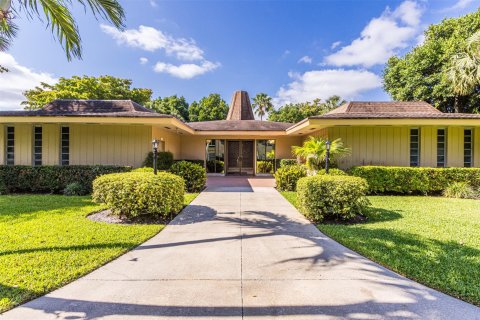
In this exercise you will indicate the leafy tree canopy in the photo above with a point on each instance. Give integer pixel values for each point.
(174, 105)
(295, 112)
(422, 74)
(208, 108)
(98, 88)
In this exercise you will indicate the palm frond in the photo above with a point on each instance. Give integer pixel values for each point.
(8, 31)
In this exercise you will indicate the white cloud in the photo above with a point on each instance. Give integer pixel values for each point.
(335, 44)
(187, 70)
(153, 3)
(143, 60)
(17, 80)
(381, 38)
(305, 59)
(310, 85)
(460, 4)
(151, 39)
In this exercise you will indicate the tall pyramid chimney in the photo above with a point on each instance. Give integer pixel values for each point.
(240, 107)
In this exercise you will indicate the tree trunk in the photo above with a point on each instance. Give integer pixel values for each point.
(456, 107)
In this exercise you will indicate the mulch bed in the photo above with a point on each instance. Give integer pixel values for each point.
(106, 216)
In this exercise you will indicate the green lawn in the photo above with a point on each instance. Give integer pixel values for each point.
(46, 242)
(433, 240)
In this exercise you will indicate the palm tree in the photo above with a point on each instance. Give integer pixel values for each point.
(333, 102)
(262, 104)
(464, 70)
(58, 17)
(314, 152)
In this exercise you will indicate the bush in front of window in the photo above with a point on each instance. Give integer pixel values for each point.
(265, 166)
(164, 160)
(133, 194)
(215, 166)
(194, 175)
(52, 179)
(286, 178)
(414, 180)
(332, 197)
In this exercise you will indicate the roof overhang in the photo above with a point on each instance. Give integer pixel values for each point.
(167, 121)
(309, 125)
(240, 133)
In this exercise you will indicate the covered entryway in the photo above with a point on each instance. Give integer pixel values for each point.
(240, 157)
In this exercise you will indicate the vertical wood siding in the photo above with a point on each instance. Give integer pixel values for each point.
(172, 140)
(23, 144)
(109, 145)
(455, 147)
(2, 144)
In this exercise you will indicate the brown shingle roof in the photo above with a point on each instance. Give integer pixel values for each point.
(240, 107)
(387, 107)
(90, 108)
(239, 125)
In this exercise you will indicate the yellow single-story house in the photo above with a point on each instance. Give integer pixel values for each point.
(119, 132)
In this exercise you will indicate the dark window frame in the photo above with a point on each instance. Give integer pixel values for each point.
(468, 147)
(64, 145)
(414, 147)
(37, 146)
(441, 145)
(9, 145)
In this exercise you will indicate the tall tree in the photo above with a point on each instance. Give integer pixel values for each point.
(57, 15)
(422, 74)
(262, 104)
(464, 71)
(103, 87)
(295, 112)
(208, 108)
(174, 105)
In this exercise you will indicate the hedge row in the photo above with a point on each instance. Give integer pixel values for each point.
(51, 179)
(409, 180)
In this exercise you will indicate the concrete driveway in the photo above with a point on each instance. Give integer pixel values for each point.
(243, 252)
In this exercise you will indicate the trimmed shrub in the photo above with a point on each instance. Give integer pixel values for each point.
(460, 190)
(194, 175)
(265, 166)
(332, 172)
(414, 180)
(332, 197)
(52, 179)
(3, 188)
(287, 177)
(196, 161)
(215, 166)
(164, 160)
(74, 189)
(140, 193)
(288, 162)
(143, 169)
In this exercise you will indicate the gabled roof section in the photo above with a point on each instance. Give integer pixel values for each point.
(90, 108)
(240, 107)
(389, 109)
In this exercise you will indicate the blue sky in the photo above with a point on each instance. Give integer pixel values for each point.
(293, 50)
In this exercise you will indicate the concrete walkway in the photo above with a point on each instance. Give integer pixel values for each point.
(244, 252)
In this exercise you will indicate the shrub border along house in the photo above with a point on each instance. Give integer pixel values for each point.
(408, 180)
(52, 179)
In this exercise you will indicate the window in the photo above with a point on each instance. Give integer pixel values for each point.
(265, 156)
(414, 147)
(441, 147)
(215, 155)
(37, 146)
(10, 146)
(468, 148)
(65, 146)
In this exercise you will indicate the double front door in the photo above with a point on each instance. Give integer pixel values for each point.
(240, 159)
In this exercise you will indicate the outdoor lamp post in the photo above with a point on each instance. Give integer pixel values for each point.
(327, 158)
(155, 155)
